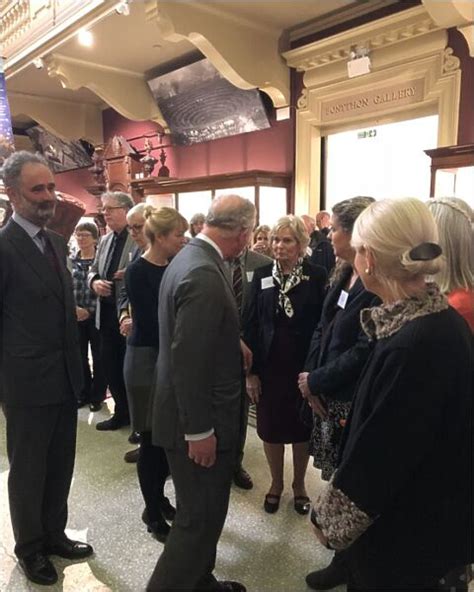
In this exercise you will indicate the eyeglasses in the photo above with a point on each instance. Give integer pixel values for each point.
(83, 234)
(108, 209)
(135, 227)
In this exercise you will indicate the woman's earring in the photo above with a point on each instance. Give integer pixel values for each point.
(368, 271)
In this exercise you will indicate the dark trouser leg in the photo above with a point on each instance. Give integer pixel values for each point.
(153, 470)
(244, 420)
(113, 354)
(99, 381)
(84, 344)
(202, 494)
(41, 448)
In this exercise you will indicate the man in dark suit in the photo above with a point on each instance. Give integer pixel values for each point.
(198, 394)
(242, 269)
(40, 369)
(114, 253)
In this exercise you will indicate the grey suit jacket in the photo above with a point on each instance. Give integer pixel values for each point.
(198, 381)
(97, 269)
(40, 361)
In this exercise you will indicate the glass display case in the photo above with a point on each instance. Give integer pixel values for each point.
(452, 172)
(270, 192)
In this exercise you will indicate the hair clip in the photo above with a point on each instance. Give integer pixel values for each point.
(425, 252)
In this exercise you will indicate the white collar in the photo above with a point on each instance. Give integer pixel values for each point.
(209, 241)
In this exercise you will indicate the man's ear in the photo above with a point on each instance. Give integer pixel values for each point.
(12, 193)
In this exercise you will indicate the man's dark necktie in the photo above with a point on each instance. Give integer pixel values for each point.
(237, 284)
(49, 252)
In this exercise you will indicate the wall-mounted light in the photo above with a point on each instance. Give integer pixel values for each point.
(359, 62)
(38, 63)
(85, 38)
(123, 8)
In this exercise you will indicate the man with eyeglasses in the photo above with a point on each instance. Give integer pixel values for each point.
(114, 253)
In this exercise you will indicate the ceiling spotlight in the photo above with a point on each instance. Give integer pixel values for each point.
(38, 63)
(85, 38)
(123, 8)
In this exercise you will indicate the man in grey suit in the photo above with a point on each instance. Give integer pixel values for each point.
(40, 369)
(242, 269)
(114, 253)
(197, 406)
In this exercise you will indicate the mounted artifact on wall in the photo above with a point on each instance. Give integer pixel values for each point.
(122, 164)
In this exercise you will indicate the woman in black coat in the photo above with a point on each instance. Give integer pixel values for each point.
(339, 350)
(285, 306)
(404, 521)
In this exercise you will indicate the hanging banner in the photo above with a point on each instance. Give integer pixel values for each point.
(6, 133)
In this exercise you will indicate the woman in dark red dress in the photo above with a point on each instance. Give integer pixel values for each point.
(285, 306)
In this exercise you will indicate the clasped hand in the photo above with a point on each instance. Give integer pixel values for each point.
(203, 452)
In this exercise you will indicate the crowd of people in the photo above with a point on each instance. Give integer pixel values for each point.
(350, 332)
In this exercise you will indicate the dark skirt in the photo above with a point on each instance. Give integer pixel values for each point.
(278, 411)
(139, 372)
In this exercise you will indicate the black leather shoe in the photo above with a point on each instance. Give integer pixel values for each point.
(39, 569)
(113, 423)
(81, 403)
(70, 549)
(95, 406)
(242, 479)
(228, 586)
(331, 576)
(132, 455)
(134, 438)
(167, 510)
(271, 503)
(302, 504)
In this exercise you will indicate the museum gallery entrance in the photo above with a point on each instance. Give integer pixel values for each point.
(379, 161)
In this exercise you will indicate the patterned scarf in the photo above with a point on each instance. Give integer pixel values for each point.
(286, 284)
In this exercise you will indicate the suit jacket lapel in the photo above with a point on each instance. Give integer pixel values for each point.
(35, 259)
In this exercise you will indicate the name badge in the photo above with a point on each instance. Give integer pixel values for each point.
(343, 299)
(249, 276)
(267, 282)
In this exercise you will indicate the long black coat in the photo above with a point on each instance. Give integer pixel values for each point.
(406, 455)
(307, 301)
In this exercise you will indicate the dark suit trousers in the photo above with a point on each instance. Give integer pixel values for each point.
(202, 495)
(95, 383)
(41, 446)
(113, 348)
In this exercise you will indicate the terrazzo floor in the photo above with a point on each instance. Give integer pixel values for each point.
(268, 553)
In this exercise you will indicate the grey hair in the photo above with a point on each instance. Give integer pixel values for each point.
(237, 214)
(123, 199)
(13, 165)
(138, 208)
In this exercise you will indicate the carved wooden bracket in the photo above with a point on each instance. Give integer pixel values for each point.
(124, 90)
(243, 51)
(454, 13)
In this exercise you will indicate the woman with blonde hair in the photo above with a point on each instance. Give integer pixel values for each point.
(284, 307)
(403, 524)
(455, 220)
(261, 240)
(164, 228)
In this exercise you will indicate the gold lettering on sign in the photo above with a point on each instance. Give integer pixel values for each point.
(369, 102)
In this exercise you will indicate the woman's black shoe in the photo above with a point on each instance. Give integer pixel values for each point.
(160, 530)
(302, 504)
(168, 511)
(95, 406)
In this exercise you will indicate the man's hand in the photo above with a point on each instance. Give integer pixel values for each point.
(102, 287)
(317, 406)
(126, 325)
(203, 452)
(82, 314)
(119, 274)
(303, 385)
(254, 388)
(247, 356)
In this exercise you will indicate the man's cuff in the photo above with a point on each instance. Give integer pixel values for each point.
(196, 437)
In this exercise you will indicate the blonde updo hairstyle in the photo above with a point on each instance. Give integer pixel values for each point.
(162, 221)
(389, 229)
(297, 228)
(455, 219)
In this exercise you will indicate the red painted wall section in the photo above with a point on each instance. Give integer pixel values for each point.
(271, 149)
(75, 183)
(466, 107)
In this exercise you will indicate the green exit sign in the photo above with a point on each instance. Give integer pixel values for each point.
(366, 134)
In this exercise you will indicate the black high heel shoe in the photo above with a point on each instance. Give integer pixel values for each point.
(167, 510)
(159, 529)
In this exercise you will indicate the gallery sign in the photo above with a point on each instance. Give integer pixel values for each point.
(6, 132)
(372, 101)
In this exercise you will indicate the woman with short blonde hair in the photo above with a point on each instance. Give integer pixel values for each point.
(403, 526)
(455, 218)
